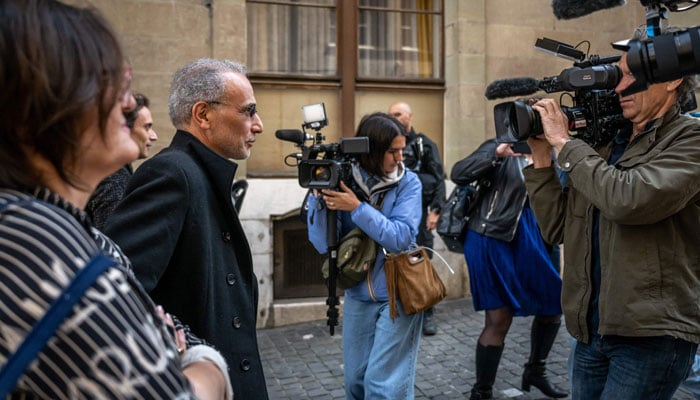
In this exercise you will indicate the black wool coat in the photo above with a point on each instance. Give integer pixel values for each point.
(178, 225)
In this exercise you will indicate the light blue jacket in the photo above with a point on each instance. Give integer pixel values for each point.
(394, 228)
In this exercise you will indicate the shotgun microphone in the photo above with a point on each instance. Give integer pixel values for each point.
(292, 135)
(501, 88)
(569, 9)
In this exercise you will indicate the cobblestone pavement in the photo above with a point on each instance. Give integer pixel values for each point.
(304, 362)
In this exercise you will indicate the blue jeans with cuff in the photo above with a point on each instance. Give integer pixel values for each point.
(380, 355)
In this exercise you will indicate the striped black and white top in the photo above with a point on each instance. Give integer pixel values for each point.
(113, 345)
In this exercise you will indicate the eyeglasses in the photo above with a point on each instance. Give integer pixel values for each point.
(250, 109)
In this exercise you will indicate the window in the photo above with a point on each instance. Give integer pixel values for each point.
(292, 37)
(396, 39)
(399, 39)
(348, 54)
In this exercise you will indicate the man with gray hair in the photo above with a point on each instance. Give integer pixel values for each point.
(178, 224)
(629, 218)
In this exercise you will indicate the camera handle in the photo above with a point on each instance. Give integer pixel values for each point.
(654, 14)
(332, 301)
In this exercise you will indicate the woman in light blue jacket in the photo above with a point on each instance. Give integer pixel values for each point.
(379, 355)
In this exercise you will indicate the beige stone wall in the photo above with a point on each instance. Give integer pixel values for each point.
(485, 40)
(280, 108)
(162, 36)
(465, 76)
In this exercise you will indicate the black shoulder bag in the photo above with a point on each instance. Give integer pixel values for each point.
(454, 217)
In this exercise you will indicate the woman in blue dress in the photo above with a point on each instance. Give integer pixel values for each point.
(510, 271)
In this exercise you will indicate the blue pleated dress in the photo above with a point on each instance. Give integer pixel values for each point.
(518, 274)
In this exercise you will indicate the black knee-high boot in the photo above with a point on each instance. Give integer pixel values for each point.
(542, 337)
(487, 360)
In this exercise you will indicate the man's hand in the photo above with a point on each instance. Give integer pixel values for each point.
(431, 220)
(554, 122)
(541, 151)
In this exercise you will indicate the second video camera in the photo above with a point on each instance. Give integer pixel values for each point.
(594, 118)
(596, 114)
(321, 166)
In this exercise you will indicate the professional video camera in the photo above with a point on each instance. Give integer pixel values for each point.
(335, 162)
(595, 115)
(333, 166)
(661, 57)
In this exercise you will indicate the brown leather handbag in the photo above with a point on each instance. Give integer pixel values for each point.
(411, 276)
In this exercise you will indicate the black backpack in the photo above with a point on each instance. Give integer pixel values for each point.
(455, 213)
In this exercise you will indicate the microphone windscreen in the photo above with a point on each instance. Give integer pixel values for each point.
(290, 135)
(568, 9)
(511, 87)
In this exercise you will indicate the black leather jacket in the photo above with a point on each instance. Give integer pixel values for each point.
(421, 156)
(503, 193)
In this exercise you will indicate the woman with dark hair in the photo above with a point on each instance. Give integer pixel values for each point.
(62, 130)
(510, 269)
(379, 355)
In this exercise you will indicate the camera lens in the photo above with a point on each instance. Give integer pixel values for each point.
(321, 173)
(516, 121)
(664, 58)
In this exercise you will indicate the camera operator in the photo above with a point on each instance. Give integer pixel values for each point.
(629, 218)
(379, 353)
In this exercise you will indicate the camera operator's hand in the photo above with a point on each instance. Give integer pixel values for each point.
(431, 220)
(554, 122)
(505, 150)
(541, 151)
(344, 201)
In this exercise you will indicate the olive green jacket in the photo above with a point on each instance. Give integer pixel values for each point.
(649, 230)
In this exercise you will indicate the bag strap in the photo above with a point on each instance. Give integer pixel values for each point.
(416, 246)
(44, 329)
(441, 258)
(380, 200)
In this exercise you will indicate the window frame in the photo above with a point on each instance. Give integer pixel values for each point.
(347, 49)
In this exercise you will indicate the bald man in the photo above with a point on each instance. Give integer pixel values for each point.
(422, 157)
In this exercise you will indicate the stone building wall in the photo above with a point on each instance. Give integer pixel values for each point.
(485, 40)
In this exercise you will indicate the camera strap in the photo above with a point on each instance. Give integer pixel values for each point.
(380, 200)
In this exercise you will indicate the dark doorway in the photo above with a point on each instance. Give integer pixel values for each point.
(297, 264)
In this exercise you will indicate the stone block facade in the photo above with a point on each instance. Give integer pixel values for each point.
(484, 40)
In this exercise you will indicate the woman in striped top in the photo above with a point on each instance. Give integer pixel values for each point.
(62, 131)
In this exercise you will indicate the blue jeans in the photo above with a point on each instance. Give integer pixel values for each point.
(380, 355)
(570, 360)
(692, 382)
(630, 368)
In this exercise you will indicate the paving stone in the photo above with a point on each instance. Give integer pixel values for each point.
(304, 362)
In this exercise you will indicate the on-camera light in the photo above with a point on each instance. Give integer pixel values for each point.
(314, 116)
